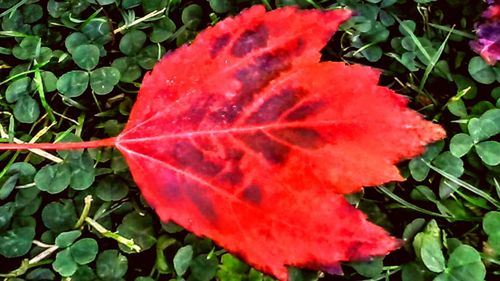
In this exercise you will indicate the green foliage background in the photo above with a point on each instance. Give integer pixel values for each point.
(70, 70)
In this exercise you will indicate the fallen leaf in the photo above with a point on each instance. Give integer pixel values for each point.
(246, 138)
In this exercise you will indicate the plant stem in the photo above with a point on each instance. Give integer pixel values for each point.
(85, 212)
(106, 233)
(59, 146)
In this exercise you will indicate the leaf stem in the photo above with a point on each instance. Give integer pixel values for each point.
(59, 146)
(85, 212)
(106, 233)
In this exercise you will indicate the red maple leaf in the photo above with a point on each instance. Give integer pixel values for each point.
(246, 138)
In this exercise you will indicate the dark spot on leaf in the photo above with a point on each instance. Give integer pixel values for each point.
(250, 40)
(354, 251)
(227, 113)
(219, 44)
(301, 46)
(302, 137)
(253, 79)
(234, 154)
(195, 114)
(234, 177)
(202, 203)
(274, 152)
(172, 188)
(304, 110)
(252, 194)
(187, 155)
(275, 106)
(265, 68)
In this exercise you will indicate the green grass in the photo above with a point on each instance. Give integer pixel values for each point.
(80, 214)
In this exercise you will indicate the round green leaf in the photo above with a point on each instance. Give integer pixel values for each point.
(220, 6)
(16, 242)
(26, 171)
(64, 263)
(18, 89)
(129, 69)
(481, 107)
(490, 122)
(418, 169)
(82, 172)
(56, 9)
(30, 208)
(102, 80)
(40, 274)
(149, 6)
(69, 154)
(44, 56)
(457, 108)
(84, 250)
(460, 144)
(408, 60)
(412, 272)
(491, 223)
(73, 83)
(84, 273)
(182, 259)
(412, 228)
(163, 29)
(98, 30)
(371, 268)
(231, 268)
(408, 44)
(432, 255)
(183, 36)
(111, 188)
(132, 42)
(489, 151)
(59, 216)
(204, 268)
(28, 49)
(431, 232)
(475, 130)
(423, 193)
(481, 71)
(372, 53)
(191, 16)
(49, 81)
(464, 264)
(233, 264)
(140, 229)
(74, 40)
(407, 26)
(53, 178)
(6, 189)
(449, 163)
(150, 55)
(294, 273)
(111, 265)
(32, 13)
(86, 56)
(495, 93)
(65, 239)
(26, 196)
(26, 110)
